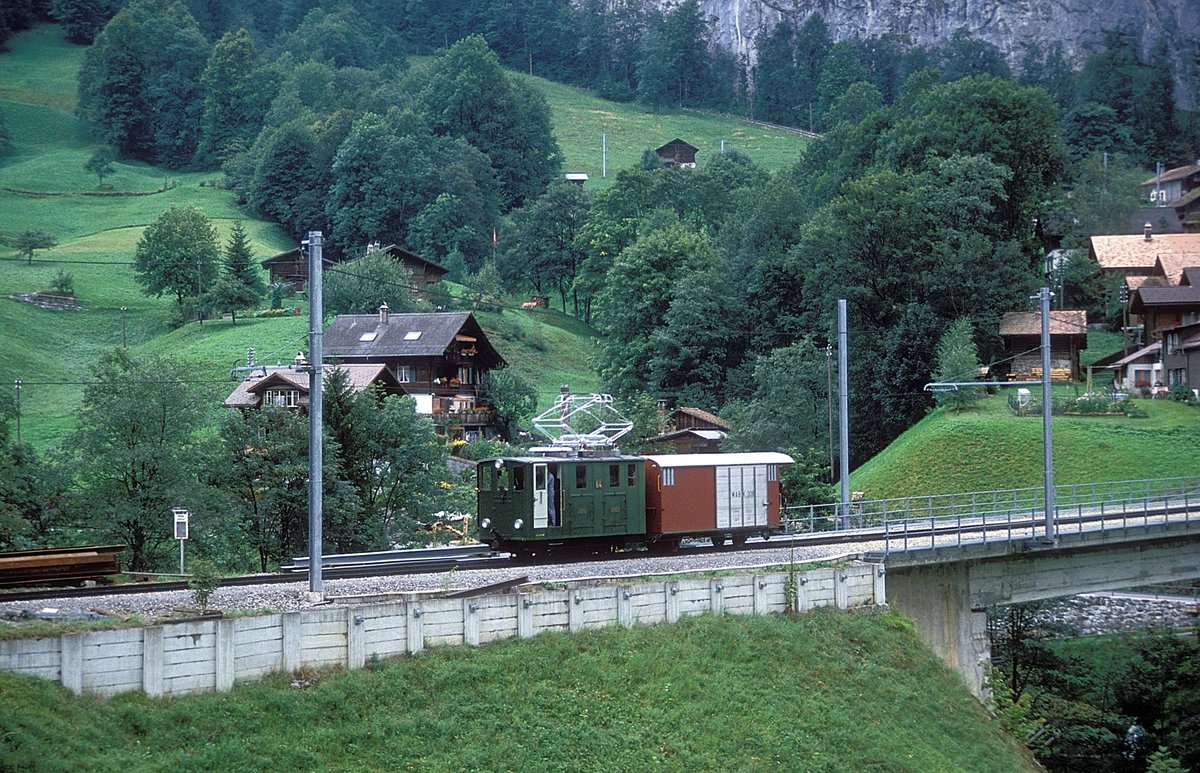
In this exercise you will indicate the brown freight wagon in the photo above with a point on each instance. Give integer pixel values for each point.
(724, 496)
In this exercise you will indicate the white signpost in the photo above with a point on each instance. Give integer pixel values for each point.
(181, 531)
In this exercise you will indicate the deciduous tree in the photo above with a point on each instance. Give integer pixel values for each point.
(178, 253)
(101, 164)
(135, 451)
(33, 239)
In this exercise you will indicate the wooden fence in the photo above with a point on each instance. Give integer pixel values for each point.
(204, 655)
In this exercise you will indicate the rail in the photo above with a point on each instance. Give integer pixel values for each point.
(914, 523)
(59, 566)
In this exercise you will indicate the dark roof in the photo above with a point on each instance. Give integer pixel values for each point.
(1176, 295)
(1162, 220)
(1191, 276)
(404, 255)
(674, 143)
(405, 335)
(288, 257)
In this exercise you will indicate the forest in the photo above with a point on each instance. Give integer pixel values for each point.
(930, 199)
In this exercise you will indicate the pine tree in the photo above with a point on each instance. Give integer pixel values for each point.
(240, 285)
(957, 361)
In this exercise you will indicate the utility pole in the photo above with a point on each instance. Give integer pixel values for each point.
(315, 418)
(603, 154)
(123, 340)
(829, 401)
(1047, 444)
(17, 384)
(844, 412)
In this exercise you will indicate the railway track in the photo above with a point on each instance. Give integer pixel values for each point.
(434, 560)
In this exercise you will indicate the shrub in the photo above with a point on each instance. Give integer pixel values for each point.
(63, 283)
(1182, 393)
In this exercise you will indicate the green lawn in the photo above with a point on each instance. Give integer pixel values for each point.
(827, 691)
(987, 447)
(581, 121)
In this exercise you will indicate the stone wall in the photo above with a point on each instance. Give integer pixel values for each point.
(205, 655)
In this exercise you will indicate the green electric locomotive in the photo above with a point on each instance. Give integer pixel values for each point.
(534, 504)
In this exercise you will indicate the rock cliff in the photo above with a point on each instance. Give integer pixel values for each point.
(1011, 25)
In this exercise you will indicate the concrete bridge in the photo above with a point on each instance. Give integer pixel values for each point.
(947, 580)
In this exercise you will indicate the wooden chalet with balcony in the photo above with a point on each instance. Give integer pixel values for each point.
(439, 359)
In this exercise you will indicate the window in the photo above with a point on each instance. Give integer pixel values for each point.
(466, 374)
(406, 374)
(580, 476)
(284, 398)
(412, 335)
(632, 475)
(614, 475)
(772, 472)
(668, 476)
(518, 474)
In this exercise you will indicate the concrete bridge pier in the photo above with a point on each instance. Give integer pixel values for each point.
(937, 599)
(947, 591)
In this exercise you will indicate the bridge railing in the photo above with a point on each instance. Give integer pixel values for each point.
(906, 523)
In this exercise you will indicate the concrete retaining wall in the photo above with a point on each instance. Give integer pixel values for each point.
(198, 656)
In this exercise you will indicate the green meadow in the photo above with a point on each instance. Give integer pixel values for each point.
(43, 185)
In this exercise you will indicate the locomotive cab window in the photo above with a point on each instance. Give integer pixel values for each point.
(518, 477)
(631, 475)
(580, 476)
(614, 476)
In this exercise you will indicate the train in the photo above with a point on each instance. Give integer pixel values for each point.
(582, 500)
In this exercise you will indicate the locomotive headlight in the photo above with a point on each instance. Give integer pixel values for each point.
(486, 523)
(517, 524)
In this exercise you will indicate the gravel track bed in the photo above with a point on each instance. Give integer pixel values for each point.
(289, 597)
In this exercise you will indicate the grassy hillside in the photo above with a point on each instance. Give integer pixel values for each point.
(988, 448)
(43, 185)
(828, 691)
(580, 121)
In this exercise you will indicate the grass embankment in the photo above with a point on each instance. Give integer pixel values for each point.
(827, 691)
(987, 448)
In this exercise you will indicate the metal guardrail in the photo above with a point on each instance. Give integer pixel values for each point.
(914, 523)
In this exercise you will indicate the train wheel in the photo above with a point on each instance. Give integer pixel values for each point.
(718, 540)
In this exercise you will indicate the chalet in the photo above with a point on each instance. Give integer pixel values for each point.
(678, 153)
(291, 267)
(1165, 188)
(439, 359)
(693, 431)
(1171, 316)
(1140, 369)
(288, 386)
(1022, 334)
